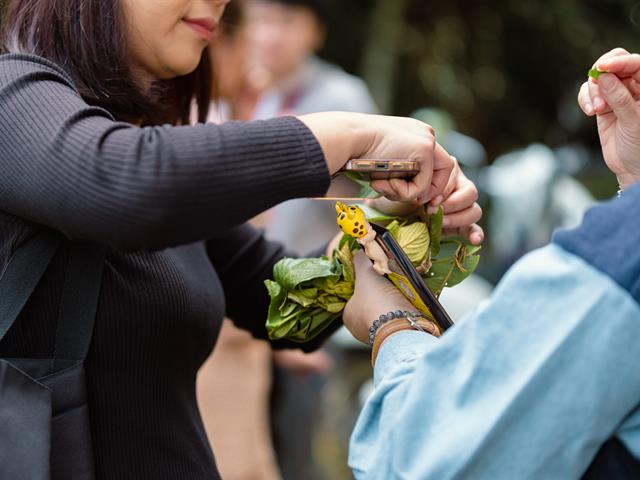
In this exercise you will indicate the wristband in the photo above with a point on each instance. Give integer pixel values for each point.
(397, 325)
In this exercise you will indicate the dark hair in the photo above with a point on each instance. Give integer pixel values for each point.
(87, 38)
(318, 7)
(233, 18)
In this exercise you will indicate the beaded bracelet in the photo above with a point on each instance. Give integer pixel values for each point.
(385, 317)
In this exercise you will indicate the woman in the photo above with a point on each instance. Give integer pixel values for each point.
(82, 152)
(541, 382)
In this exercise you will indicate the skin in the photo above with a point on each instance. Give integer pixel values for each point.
(282, 37)
(162, 44)
(614, 99)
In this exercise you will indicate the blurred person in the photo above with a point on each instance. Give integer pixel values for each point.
(285, 36)
(541, 381)
(95, 101)
(234, 384)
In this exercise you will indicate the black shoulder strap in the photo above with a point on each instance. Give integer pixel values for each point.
(79, 304)
(80, 294)
(22, 275)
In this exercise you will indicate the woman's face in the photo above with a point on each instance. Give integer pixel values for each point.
(166, 38)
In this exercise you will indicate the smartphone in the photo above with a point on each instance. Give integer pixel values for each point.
(368, 169)
(407, 279)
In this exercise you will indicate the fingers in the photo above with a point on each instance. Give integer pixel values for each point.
(624, 65)
(463, 218)
(430, 164)
(472, 233)
(443, 167)
(464, 196)
(584, 100)
(598, 103)
(589, 97)
(619, 98)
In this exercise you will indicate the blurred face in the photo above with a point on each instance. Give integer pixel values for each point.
(229, 57)
(282, 36)
(167, 37)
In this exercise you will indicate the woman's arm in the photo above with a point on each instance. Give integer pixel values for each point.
(532, 383)
(71, 167)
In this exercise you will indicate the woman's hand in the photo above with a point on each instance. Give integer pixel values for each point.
(373, 296)
(615, 99)
(459, 205)
(345, 136)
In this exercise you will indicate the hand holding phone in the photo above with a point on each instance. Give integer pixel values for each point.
(371, 169)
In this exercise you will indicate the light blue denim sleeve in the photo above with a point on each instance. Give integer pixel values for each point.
(527, 387)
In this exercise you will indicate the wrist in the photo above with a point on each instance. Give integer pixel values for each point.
(408, 322)
(625, 180)
(340, 135)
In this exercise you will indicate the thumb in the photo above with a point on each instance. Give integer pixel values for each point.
(619, 98)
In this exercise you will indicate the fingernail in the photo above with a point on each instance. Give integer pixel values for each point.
(606, 81)
(432, 210)
(436, 201)
(445, 222)
(588, 108)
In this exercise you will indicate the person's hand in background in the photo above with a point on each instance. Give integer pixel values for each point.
(615, 98)
(345, 136)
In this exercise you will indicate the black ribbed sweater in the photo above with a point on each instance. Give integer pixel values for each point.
(170, 203)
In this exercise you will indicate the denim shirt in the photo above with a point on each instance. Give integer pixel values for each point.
(533, 382)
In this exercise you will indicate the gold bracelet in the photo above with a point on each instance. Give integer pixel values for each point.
(388, 329)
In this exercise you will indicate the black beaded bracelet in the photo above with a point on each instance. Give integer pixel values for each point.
(385, 317)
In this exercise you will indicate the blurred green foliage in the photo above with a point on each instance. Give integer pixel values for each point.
(508, 71)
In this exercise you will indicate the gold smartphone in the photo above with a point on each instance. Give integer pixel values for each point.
(370, 169)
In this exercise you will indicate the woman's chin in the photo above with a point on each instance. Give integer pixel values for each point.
(181, 65)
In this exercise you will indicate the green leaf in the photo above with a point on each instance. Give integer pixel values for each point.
(457, 262)
(595, 73)
(394, 228)
(435, 231)
(345, 257)
(309, 294)
(304, 296)
(414, 240)
(374, 215)
(291, 272)
(365, 188)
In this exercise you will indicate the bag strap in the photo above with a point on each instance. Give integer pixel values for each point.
(80, 296)
(80, 293)
(22, 275)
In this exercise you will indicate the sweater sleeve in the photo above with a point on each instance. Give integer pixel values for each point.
(73, 168)
(244, 259)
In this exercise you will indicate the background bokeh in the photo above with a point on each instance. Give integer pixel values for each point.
(507, 70)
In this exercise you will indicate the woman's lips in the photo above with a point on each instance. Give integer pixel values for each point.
(202, 26)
